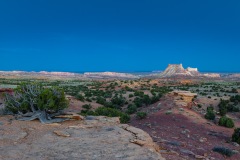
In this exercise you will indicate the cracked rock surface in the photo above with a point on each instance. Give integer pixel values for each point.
(101, 138)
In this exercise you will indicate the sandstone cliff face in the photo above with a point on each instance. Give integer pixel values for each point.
(174, 70)
(178, 70)
(95, 138)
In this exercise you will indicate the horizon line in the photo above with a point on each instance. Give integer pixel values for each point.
(153, 71)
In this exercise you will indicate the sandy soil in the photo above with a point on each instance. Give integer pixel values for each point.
(185, 133)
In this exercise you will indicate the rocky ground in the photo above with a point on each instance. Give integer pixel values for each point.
(183, 133)
(93, 138)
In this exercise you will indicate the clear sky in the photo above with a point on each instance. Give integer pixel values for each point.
(119, 35)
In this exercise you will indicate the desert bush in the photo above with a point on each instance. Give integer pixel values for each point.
(118, 100)
(138, 93)
(224, 151)
(87, 106)
(141, 115)
(236, 135)
(155, 99)
(111, 112)
(80, 97)
(34, 101)
(131, 95)
(88, 99)
(132, 108)
(210, 115)
(146, 99)
(223, 107)
(226, 122)
(86, 109)
(138, 101)
(100, 100)
(234, 90)
(235, 99)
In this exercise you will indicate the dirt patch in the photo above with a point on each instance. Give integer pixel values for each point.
(185, 134)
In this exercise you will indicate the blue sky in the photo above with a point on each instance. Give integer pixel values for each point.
(119, 35)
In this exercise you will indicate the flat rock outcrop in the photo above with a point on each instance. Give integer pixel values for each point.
(183, 98)
(92, 139)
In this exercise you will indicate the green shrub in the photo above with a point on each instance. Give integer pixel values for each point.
(80, 97)
(101, 100)
(87, 106)
(138, 101)
(146, 99)
(226, 122)
(223, 107)
(118, 100)
(141, 115)
(131, 95)
(236, 135)
(111, 112)
(132, 108)
(210, 115)
(138, 93)
(155, 99)
(34, 99)
(224, 151)
(88, 99)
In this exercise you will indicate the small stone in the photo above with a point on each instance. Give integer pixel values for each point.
(181, 109)
(62, 133)
(199, 157)
(187, 152)
(168, 112)
(90, 118)
(235, 144)
(119, 156)
(53, 124)
(202, 140)
(235, 151)
(185, 131)
(110, 129)
(174, 143)
(22, 135)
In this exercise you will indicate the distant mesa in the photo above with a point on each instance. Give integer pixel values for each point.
(109, 75)
(178, 70)
(57, 73)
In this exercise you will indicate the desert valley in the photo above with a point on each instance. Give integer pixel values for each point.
(175, 114)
